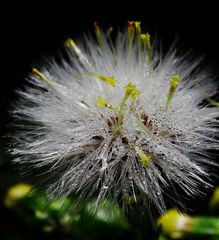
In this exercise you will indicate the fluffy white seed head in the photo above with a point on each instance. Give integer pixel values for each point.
(119, 121)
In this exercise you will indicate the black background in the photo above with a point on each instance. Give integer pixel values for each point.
(33, 29)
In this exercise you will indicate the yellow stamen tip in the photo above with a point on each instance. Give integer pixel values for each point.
(131, 34)
(110, 29)
(146, 38)
(131, 27)
(70, 43)
(96, 27)
(174, 82)
(98, 34)
(102, 102)
(50, 83)
(144, 159)
(44, 78)
(138, 27)
(39, 74)
(131, 90)
(109, 80)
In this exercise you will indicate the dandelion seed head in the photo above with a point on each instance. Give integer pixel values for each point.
(118, 120)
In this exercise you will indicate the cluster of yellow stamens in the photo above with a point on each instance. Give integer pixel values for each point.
(144, 42)
(130, 91)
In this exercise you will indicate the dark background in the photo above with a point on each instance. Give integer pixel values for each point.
(31, 30)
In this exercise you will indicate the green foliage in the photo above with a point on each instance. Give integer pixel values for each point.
(64, 218)
(70, 220)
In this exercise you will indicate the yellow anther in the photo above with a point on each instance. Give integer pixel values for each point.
(70, 43)
(146, 39)
(174, 82)
(131, 26)
(39, 74)
(109, 31)
(131, 90)
(131, 31)
(44, 78)
(138, 28)
(131, 36)
(103, 103)
(98, 34)
(109, 80)
(144, 159)
(147, 44)
(96, 28)
(138, 33)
